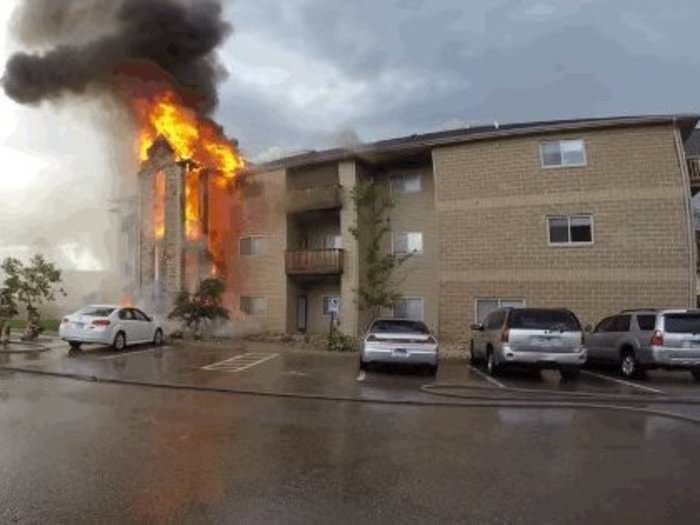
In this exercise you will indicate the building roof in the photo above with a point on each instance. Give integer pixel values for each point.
(384, 150)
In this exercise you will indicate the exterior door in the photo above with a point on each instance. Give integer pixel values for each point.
(302, 312)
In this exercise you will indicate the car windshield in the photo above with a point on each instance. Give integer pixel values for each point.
(682, 323)
(533, 319)
(96, 311)
(401, 327)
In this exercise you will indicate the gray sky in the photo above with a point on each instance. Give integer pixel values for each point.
(303, 72)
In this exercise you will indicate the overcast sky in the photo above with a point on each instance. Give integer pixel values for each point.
(305, 72)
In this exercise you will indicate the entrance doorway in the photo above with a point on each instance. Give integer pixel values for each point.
(302, 313)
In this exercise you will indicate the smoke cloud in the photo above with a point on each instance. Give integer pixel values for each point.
(120, 47)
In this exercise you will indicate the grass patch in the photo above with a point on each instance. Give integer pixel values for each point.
(49, 325)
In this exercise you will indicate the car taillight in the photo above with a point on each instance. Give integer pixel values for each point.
(505, 334)
(101, 322)
(658, 338)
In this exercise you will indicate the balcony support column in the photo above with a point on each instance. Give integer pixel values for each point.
(350, 280)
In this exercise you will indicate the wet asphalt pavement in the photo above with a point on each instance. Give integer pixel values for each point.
(80, 452)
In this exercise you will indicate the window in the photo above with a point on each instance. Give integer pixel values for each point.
(621, 323)
(687, 323)
(485, 306)
(253, 305)
(251, 246)
(126, 314)
(409, 308)
(568, 230)
(139, 315)
(398, 326)
(332, 242)
(326, 301)
(411, 242)
(96, 311)
(539, 319)
(646, 322)
(495, 320)
(563, 154)
(406, 183)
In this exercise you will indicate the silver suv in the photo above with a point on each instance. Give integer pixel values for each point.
(538, 337)
(638, 340)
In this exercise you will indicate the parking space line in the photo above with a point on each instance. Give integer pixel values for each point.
(623, 382)
(127, 353)
(239, 363)
(487, 377)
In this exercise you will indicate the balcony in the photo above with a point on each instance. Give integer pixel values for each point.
(314, 262)
(313, 198)
(694, 172)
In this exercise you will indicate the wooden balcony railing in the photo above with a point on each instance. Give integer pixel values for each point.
(313, 198)
(694, 171)
(314, 262)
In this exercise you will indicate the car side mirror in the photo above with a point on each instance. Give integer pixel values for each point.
(588, 329)
(477, 327)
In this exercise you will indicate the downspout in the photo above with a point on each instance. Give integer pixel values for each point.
(690, 223)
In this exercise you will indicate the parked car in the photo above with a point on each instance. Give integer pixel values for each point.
(399, 341)
(110, 325)
(638, 340)
(535, 337)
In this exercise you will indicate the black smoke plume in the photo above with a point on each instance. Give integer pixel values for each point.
(122, 47)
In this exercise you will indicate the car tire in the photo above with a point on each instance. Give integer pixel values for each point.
(492, 367)
(570, 373)
(119, 343)
(75, 346)
(629, 366)
(158, 338)
(696, 373)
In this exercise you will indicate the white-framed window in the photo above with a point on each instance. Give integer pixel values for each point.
(570, 230)
(412, 183)
(484, 307)
(327, 300)
(563, 153)
(253, 305)
(332, 242)
(253, 245)
(407, 242)
(409, 308)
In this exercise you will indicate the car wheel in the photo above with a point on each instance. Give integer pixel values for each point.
(696, 373)
(491, 365)
(629, 367)
(75, 346)
(158, 338)
(119, 342)
(570, 373)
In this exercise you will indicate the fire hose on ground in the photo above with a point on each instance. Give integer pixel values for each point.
(460, 395)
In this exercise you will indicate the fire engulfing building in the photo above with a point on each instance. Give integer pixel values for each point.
(594, 215)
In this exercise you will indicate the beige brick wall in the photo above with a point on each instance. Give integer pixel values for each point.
(492, 200)
(307, 177)
(262, 214)
(415, 212)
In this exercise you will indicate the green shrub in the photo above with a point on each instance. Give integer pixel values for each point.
(338, 342)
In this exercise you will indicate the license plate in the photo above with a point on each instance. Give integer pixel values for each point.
(79, 325)
(547, 341)
(400, 352)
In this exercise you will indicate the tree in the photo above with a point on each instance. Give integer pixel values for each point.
(29, 285)
(379, 288)
(204, 306)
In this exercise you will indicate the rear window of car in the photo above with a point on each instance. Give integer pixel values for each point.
(92, 311)
(533, 319)
(682, 323)
(646, 322)
(402, 327)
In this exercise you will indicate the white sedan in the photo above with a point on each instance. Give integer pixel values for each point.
(110, 325)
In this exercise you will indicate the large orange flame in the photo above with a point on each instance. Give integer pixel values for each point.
(191, 136)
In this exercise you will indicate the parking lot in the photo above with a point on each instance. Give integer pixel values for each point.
(268, 368)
